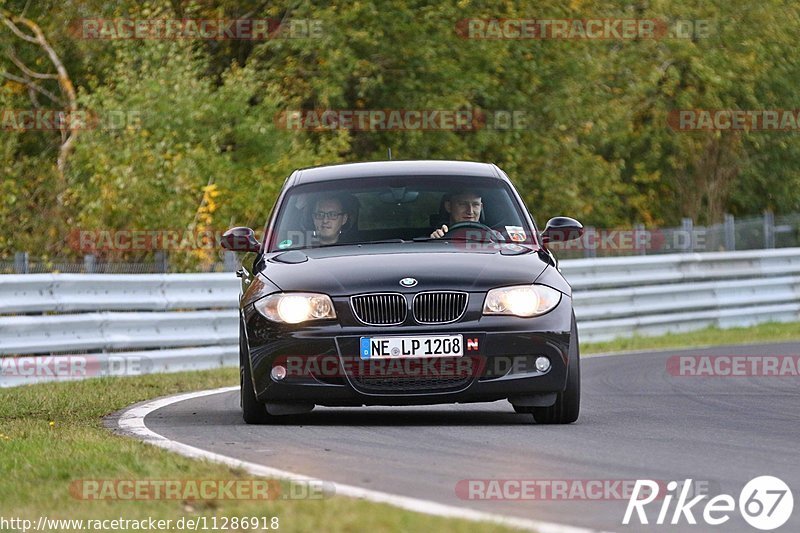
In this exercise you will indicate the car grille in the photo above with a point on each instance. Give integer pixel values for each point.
(409, 384)
(380, 309)
(412, 375)
(439, 307)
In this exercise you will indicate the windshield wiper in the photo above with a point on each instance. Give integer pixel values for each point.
(459, 238)
(385, 241)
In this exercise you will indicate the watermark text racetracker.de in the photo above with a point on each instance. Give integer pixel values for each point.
(779, 120)
(66, 367)
(589, 29)
(198, 489)
(22, 120)
(402, 119)
(398, 365)
(561, 489)
(642, 240)
(142, 240)
(784, 366)
(197, 29)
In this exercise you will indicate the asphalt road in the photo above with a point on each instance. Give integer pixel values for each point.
(637, 421)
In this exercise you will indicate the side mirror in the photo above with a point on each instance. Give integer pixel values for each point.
(240, 239)
(562, 229)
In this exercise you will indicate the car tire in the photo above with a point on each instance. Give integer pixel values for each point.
(568, 402)
(253, 411)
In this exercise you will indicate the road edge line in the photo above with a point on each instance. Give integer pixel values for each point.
(131, 423)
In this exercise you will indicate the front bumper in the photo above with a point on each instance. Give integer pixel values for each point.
(325, 369)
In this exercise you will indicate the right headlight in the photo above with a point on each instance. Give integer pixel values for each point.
(296, 307)
(521, 300)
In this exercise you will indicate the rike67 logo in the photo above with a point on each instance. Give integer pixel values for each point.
(765, 503)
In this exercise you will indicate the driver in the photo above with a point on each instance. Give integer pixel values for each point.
(329, 216)
(463, 206)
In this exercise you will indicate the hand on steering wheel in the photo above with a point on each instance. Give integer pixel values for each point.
(444, 231)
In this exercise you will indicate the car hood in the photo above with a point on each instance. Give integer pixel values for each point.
(347, 270)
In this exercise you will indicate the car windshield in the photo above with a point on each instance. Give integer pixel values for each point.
(399, 208)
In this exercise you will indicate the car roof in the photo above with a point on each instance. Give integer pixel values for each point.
(397, 168)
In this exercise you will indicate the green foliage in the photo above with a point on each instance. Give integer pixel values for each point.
(595, 144)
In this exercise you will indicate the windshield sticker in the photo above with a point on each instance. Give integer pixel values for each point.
(285, 244)
(516, 233)
(514, 247)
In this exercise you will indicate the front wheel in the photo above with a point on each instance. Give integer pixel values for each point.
(568, 402)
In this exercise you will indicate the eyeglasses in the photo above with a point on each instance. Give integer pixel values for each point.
(327, 215)
(464, 204)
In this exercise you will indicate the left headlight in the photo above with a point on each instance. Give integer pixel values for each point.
(522, 300)
(296, 307)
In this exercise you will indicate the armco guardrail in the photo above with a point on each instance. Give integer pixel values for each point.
(622, 297)
(65, 293)
(118, 324)
(171, 322)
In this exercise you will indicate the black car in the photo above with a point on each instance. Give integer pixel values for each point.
(405, 283)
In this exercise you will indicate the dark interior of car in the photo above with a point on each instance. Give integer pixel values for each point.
(495, 214)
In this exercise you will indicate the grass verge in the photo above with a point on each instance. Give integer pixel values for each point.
(762, 333)
(52, 435)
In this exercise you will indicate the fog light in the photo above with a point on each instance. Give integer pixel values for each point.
(542, 364)
(279, 372)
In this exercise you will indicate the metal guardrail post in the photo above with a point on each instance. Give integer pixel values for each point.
(730, 233)
(89, 263)
(639, 241)
(230, 261)
(769, 229)
(21, 265)
(687, 230)
(589, 241)
(161, 263)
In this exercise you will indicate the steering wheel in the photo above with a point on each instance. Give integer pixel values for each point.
(472, 225)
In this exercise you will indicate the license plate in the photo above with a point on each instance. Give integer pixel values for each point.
(427, 346)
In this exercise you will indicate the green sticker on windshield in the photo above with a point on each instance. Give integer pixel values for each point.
(285, 244)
